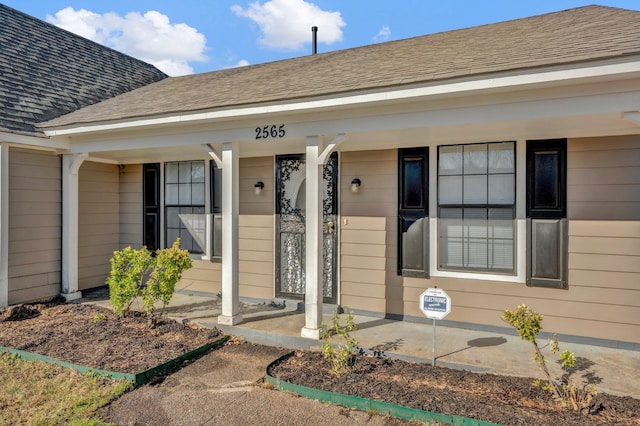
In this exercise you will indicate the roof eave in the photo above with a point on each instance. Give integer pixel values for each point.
(566, 74)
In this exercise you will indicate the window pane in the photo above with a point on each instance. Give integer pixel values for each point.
(184, 171)
(450, 160)
(475, 189)
(184, 196)
(172, 218)
(476, 253)
(171, 194)
(501, 239)
(475, 159)
(546, 180)
(501, 189)
(450, 189)
(172, 235)
(197, 171)
(171, 172)
(473, 236)
(450, 232)
(501, 157)
(413, 183)
(197, 193)
(186, 241)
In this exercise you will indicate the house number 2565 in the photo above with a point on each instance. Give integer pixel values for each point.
(270, 131)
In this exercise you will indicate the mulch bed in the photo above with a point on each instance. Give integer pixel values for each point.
(95, 337)
(487, 397)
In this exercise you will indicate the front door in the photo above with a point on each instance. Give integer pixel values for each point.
(290, 226)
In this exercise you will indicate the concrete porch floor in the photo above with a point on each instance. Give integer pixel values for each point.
(615, 371)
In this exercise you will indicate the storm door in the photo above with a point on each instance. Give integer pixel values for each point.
(290, 226)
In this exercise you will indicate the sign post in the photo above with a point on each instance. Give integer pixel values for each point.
(435, 304)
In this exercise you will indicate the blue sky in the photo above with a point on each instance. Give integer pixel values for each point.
(182, 37)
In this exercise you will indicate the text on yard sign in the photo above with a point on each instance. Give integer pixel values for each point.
(435, 303)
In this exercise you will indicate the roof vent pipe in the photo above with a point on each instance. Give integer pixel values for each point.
(314, 40)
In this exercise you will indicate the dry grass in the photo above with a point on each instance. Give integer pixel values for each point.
(37, 393)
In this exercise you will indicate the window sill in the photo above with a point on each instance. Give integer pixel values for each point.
(512, 278)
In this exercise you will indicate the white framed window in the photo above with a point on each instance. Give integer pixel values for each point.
(184, 204)
(477, 208)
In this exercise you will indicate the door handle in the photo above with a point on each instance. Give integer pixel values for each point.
(330, 225)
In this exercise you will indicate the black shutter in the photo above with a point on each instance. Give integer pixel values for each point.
(151, 205)
(413, 212)
(547, 233)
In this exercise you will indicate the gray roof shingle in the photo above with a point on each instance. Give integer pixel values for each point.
(46, 72)
(571, 36)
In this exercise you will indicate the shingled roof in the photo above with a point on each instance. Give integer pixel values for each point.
(46, 72)
(572, 36)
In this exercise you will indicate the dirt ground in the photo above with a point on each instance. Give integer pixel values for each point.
(482, 396)
(94, 336)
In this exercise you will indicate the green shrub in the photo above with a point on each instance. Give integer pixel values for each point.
(341, 356)
(137, 273)
(528, 323)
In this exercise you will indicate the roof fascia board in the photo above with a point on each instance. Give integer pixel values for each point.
(511, 111)
(487, 84)
(34, 141)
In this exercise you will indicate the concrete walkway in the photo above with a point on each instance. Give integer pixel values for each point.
(222, 388)
(614, 371)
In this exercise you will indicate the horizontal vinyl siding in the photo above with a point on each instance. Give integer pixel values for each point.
(204, 276)
(98, 218)
(603, 298)
(603, 178)
(253, 170)
(368, 277)
(35, 225)
(256, 263)
(130, 214)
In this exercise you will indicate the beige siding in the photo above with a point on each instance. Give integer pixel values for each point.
(603, 298)
(130, 188)
(604, 178)
(368, 232)
(254, 170)
(204, 276)
(98, 225)
(256, 262)
(256, 255)
(35, 225)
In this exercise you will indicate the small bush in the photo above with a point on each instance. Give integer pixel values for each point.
(528, 323)
(137, 273)
(341, 356)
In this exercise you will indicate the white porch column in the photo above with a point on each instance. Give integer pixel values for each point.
(70, 194)
(230, 201)
(4, 225)
(313, 240)
(317, 154)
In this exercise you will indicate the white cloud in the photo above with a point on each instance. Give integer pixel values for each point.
(241, 63)
(383, 35)
(150, 37)
(286, 24)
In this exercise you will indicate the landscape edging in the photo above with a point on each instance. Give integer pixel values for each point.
(364, 404)
(137, 379)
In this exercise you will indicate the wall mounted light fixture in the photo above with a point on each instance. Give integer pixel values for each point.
(355, 185)
(258, 187)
